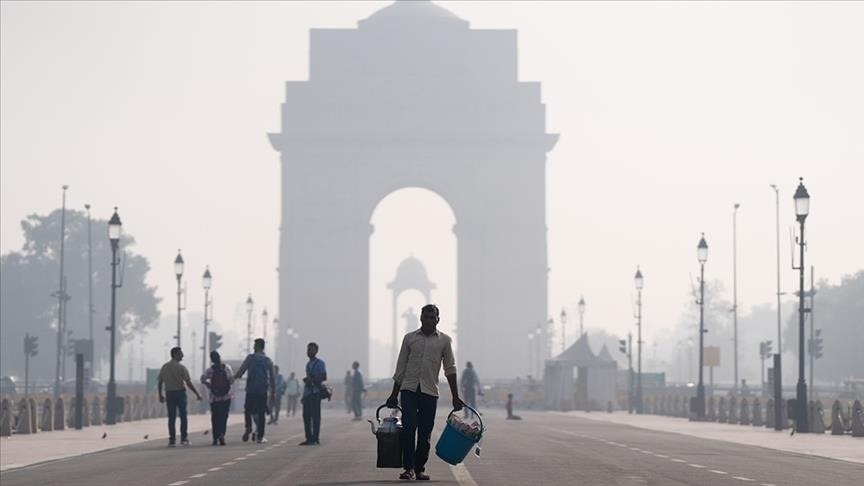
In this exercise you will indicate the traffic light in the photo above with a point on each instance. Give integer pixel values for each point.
(31, 345)
(815, 345)
(215, 341)
(768, 348)
(762, 349)
(622, 346)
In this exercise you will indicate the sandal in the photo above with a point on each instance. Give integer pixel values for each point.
(408, 474)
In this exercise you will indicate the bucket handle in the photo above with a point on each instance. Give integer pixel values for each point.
(476, 413)
(378, 418)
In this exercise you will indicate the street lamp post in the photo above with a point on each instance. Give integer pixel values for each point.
(274, 349)
(735, 293)
(638, 281)
(61, 299)
(778, 361)
(531, 364)
(207, 282)
(702, 255)
(581, 315)
(629, 372)
(114, 227)
(802, 209)
(250, 306)
(265, 321)
(178, 270)
(563, 330)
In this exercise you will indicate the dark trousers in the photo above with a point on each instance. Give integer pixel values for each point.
(219, 418)
(176, 402)
(277, 405)
(418, 416)
(312, 417)
(357, 404)
(292, 405)
(469, 397)
(255, 409)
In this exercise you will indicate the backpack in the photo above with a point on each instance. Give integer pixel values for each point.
(258, 379)
(219, 385)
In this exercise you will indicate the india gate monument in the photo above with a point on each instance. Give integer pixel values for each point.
(414, 97)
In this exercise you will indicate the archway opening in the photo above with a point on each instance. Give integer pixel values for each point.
(409, 222)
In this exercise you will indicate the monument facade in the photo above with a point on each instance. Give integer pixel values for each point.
(414, 98)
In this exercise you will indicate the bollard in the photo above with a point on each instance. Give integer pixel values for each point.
(59, 414)
(85, 419)
(711, 413)
(721, 411)
(136, 408)
(5, 418)
(47, 421)
(127, 409)
(744, 413)
(769, 413)
(857, 419)
(33, 417)
(757, 413)
(23, 426)
(96, 413)
(733, 410)
(837, 427)
(817, 423)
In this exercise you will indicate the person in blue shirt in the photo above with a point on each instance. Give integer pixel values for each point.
(261, 380)
(313, 392)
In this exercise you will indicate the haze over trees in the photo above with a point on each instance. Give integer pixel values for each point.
(29, 276)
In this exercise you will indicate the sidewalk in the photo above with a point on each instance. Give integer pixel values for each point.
(845, 448)
(24, 450)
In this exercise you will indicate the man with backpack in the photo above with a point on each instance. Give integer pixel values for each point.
(260, 386)
(218, 379)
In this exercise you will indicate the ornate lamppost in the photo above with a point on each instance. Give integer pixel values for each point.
(206, 282)
(178, 271)
(638, 281)
(702, 256)
(802, 209)
(114, 227)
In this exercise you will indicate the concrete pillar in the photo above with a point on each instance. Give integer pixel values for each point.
(757, 413)
(857, 419)
(711, 412)
(769, 413)
(5, 418)
(127, 408)
(24, 423)
(85, 420)
(31, 402)
(96, 413)
(722, 416)
(47, 422)
(817, 425)
(59, 414)
(744, 413)
(837, 419)
(733, 411)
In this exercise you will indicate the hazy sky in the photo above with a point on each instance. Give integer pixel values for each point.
(668, 113)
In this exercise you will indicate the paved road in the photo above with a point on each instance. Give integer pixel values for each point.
(542, 449)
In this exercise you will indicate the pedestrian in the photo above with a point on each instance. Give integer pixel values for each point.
(175, 377)
(415, 385)
(277, 402)
(292, 391)
(218, 378)
(348, 392)
(510, 415)
(313, 392)
(260, 386)
(470, 387)
(358, 389)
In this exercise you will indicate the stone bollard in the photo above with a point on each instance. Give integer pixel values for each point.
(127, 409)
(137, 408)
(711, 413)
(47, 422)
(85, 415)
(733, 410)
(817, 423)
(769, 413)
(744, 413)
(70, 413)
(23, 426)
(857, 419)
(5, 418)
(96, 413)
(33, 415)
(721, 411)
(757, 413)
(837, 427)
(59, 414)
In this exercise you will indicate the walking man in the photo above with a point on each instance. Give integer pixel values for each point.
(218, 379)
(415, 383)
(175, 377)
(358, 389)
(316, 374)
(277, 403)
(261, 380)
(292, 390)
(470, 387)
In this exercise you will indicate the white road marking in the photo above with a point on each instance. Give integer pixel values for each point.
(661, 456)
(741, 478)
(212, 469)
(260, 450)
(199, 475)
(239, 458)
(677, 460)
(718, 472)
(463, 477)
(178, 483)
(252, 454)
(647, 452)
(697, 466)
(229, 463)
(768, 484)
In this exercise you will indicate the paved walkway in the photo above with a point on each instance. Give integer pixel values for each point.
(23, 450)
(846, 448)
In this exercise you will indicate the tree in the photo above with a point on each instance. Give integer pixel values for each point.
(29, 277)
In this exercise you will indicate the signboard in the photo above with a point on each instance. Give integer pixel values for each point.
(653, 380)
(711, 356)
